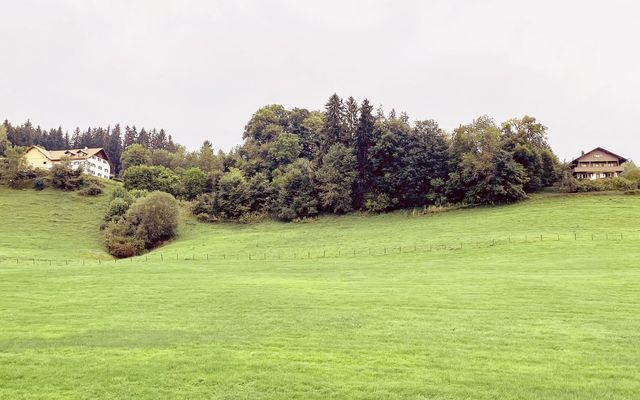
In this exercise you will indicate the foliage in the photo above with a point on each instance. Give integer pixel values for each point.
(148, 222)
(336, 177)
(483, 171)
(151, 178)
(194, 182)
(605, 185)
(63, 177)
(117, 208)
(91, 190)
(14, 171)
(295, 192)
(135, 155)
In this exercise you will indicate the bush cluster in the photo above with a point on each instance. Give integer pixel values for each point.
(135, 225)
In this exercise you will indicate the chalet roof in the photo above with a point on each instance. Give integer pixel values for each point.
(620, 159)
(73, 154)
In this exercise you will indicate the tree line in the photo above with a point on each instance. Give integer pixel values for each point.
(113, 139)
(297, 163)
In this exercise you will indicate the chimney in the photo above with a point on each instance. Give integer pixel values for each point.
(582, 152)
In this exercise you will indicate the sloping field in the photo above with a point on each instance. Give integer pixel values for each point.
(473, 305)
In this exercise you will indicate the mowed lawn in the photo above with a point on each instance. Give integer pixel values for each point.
(552, 319)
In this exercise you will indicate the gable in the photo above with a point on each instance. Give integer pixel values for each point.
(600, 155)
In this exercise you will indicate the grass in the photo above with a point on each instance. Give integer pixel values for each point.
(553, 319)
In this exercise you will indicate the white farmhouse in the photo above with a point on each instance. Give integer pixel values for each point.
(94, 161)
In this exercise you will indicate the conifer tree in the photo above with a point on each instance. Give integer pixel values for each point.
(363, 142)
(333, 123)
(130, 136)
(351, 121)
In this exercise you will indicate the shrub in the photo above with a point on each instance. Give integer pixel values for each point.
(155, 178)
(39, 184)
(62, 176)
(148, 222)
(116, 209)
(602, 185)
(91, 190)
(121, 241)
(155, 218)
(121, 193)
(194, 182)
(379, 203)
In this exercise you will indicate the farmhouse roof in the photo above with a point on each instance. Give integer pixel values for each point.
(74, 154)
(620, 159)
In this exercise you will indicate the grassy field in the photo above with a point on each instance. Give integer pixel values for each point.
(517, 318)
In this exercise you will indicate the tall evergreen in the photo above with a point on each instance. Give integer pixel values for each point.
(130, 136)
(114, 147)
(363, 142)
(333, 123)
(351, 120)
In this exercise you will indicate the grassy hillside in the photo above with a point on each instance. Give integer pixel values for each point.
(50, 224)
(552, 319)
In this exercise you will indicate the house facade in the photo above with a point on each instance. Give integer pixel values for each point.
(94, 161)
(598, 164)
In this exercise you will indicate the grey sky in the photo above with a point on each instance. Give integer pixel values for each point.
(201, 68)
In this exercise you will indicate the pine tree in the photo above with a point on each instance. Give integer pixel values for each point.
(351, 121)
(143, 138)
(114, 148)
(75, 139)
(130, 136)
(333, 123)
(159, 139)
(380, 113)
(363, 142)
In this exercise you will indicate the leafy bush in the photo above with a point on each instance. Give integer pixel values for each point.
(154, 178)
(194, 182)
(147, 223)
(63, 177)
(117, 208)
(379, 203)
(121, 241)
(91, 190)
(295, 194)
(39, 184)
(604, 185)
(154, 217)
(121, 193)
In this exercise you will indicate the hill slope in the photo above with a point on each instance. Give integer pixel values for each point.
(50, 224)
(553, 319)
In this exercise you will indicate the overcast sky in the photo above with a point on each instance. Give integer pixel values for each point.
(200, 68)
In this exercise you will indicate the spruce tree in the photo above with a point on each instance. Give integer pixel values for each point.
(130, 136)
(351, 121)
(114, 148)
(363, 142)
(334, 123)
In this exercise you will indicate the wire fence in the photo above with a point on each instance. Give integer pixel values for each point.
(281, 253)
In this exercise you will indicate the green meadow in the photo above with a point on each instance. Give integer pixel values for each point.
(538, 300)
